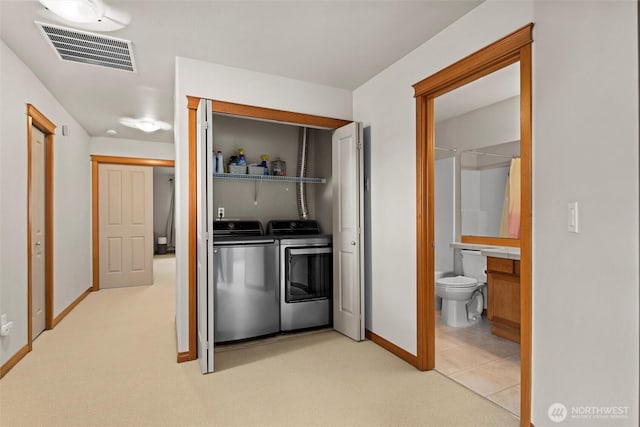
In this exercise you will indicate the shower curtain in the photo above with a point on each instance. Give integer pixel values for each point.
(510, 224)
(170, 229)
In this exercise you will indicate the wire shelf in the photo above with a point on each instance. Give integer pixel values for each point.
(270, 178)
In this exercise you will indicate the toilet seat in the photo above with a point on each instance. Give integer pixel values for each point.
(457, 282)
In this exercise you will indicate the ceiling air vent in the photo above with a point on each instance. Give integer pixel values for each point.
(89, 48)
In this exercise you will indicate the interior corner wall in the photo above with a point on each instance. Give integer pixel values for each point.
(131, 148)
(585, 149)
(386, 105)
(214, 81)
(71, 189)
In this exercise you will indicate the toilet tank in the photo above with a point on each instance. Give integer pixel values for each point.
(474, 265)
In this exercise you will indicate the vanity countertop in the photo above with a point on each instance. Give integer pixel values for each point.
(489, 250)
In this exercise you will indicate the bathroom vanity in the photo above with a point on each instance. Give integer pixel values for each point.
(503, 301)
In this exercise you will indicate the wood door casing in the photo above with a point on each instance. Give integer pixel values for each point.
(515, 47)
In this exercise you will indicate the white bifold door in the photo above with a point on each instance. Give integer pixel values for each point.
(348, 238)
(204, 229)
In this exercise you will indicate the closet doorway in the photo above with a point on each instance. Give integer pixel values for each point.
(512, 49)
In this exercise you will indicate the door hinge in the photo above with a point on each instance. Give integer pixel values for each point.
(205, 236)
(359, 145)
(205, 345)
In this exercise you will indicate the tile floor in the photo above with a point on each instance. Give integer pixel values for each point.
(481, 361)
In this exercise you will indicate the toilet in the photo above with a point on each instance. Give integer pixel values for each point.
(462, 296)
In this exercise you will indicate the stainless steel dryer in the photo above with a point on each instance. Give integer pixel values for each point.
(306, 274)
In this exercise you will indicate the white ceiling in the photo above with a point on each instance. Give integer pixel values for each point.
(336, 43)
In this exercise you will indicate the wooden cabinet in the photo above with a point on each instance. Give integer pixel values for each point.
(503, 299)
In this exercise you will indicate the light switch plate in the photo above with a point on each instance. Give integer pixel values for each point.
(573, 217)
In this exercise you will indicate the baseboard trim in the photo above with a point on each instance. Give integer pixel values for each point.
(392, 348)
(14, 360)
(71, 307)
(184, 356)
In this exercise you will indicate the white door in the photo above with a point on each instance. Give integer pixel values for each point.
(126, 225)
(204, 226)
(37, 232)
(348, 248)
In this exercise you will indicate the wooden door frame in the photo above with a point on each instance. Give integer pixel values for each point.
(515, 47)
(39, 120)
(239, 110)
(96, 161)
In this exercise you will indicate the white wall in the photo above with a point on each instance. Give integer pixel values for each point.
(72, 202)
(445, 214)
(131, 148)
(386, 104)
(585, 286)
(213, 81)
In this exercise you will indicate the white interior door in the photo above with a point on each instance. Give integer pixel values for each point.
(204, 226)
(348, 255)
(126, 225)
(37, 232)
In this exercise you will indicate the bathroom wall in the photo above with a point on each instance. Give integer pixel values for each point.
(445, 213)
(494, 124)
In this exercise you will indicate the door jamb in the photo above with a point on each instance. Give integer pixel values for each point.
(515, 47)
(39, 120)
(96, 161)
(233, 109)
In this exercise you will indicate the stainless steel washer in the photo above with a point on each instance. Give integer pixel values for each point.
(246, 281)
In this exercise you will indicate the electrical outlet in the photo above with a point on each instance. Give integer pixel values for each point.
(220, 213)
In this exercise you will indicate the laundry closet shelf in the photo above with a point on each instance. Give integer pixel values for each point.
(270, 178)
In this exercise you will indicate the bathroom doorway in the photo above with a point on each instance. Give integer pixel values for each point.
(477, 144)
(498, 336)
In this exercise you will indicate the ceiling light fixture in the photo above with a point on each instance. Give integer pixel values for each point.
(81, 11)
(93, 15)
(145, 125)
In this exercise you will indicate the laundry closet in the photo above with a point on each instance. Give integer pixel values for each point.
(280, 249)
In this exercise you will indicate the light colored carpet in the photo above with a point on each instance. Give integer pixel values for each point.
(111, 362)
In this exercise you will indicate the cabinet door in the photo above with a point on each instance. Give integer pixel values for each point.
(504, 299)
